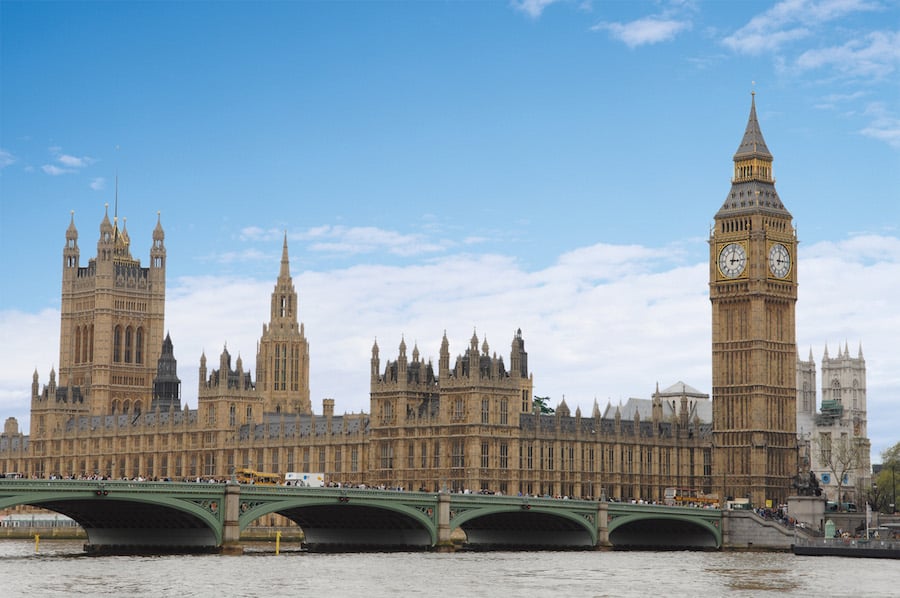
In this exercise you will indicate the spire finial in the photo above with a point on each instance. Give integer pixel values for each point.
(285, 261)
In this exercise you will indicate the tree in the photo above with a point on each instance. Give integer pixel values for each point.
(840, 456)
(541, 405)
(886, 490)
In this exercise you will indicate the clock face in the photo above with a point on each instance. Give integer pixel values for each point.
(779, 260)
(732, 260)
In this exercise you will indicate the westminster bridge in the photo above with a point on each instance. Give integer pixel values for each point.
(125, 516)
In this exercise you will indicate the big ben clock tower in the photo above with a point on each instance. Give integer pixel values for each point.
(753, 291)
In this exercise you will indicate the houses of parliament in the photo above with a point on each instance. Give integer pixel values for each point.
(471, 422)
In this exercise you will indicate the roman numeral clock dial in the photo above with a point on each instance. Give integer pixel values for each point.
(732, 260)
(779, 260)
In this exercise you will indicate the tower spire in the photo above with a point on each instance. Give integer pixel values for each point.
(753, 184)
(753, 143)
(282, 354)
(285, 271)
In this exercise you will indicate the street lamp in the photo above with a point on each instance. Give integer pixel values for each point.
(894, 487)
(871, 505)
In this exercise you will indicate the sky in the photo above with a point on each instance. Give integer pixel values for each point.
(459, 167)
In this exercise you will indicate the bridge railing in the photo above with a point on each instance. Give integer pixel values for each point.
(332, 491)
(143, 486)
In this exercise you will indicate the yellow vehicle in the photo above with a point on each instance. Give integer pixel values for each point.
(682, 497)
(250, 476)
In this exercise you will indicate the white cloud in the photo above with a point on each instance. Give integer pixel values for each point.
(256, 233)
(788, 21)
(53, 170)
(36, 349)
(98, 184)
(73, 161)
(648, 30)
(69, 164)
(533, 8)
(6, 158)
(877, 55)
(598, 323)
(368, 239)
(244, 256)
(883, 126)
(349, 240)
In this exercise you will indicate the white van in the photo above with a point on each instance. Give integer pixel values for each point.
(307, 480)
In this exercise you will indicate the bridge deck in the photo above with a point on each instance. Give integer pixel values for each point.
(168, 516)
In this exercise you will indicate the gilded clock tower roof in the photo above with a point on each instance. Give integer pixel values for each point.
(753, 185)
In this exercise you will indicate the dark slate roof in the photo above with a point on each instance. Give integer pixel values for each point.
(303, 426)
(753, 143)
(753, 197)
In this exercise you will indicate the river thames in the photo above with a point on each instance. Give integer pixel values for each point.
(61, 569)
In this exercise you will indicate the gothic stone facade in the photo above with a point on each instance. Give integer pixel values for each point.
(753, 291)
(834, 441)
(472, 425)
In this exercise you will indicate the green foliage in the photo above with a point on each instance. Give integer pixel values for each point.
(888, 480)
(891, 455)
(542, 405)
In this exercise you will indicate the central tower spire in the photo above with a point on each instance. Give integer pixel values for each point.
(282, 360)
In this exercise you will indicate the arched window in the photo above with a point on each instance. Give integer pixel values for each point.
(117, 344)
(85, 334)
(129, 342)
(281, 382)
(836, 390)
(277, 376)
(139, 346)
(126, 407)
(115, 406)
(91, 345)
(78, 344)
(232, 412)
(138, 407)
(458, 410)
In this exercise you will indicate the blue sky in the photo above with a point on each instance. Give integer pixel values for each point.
(458, 166)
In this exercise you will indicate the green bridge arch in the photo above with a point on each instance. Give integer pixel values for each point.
(120, 514)
(524, 522)
(169, 516)
(668, 527)
(348, 518)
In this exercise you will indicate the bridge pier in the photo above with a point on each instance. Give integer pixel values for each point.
(231, 529)
(444, 543)
(603, 526)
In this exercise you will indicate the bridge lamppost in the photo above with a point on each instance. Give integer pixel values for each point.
(894, 490)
